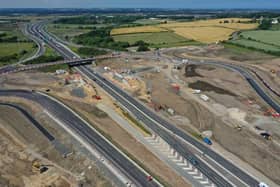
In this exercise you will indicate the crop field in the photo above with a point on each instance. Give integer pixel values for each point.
(256, 45)
(204, 34)
(142, 29)
(205, 31)
(168, 38)
(265, 36)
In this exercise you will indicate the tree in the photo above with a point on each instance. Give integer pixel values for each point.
(143, 48)
(265, 24)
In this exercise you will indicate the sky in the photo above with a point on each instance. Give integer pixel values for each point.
(204, 4)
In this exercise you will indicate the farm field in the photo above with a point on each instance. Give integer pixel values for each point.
(156, 39)
(256, 45)
(265, 36)
(141, 29)
(204, 34)
(205, 31)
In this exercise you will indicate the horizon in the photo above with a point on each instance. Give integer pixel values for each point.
(137, 4)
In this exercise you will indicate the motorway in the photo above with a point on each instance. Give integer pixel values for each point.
(91, 136)
(172, 135)
(134, 174)
(41, 49)
(29, 30)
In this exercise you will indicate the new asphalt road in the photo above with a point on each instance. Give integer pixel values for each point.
(167, 131)
(247, 75)
(44, 131)
(67, 117)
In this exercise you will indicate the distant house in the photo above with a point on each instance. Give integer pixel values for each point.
(274, 21)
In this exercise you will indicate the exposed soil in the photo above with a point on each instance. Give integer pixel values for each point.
(190, 71)
(17, 159)
(205, 86)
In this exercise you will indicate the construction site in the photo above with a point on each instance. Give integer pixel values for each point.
(205, 101)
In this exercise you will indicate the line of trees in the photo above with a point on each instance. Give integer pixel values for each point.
(91, 51)
(265, 24)
(100, 37)
(45, 59)
(92, 19)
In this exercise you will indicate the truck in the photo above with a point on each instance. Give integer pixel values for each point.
(207, 140)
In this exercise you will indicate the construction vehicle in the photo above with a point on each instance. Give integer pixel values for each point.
(266, 135)
(273, 71)
(97, 97)
(275, 115)
(37, 167)
(149, 178)
(271, 112)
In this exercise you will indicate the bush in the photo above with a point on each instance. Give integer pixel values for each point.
(265, 25)
(9, 58)
(44, 59)
(143, 48)
(91, 51)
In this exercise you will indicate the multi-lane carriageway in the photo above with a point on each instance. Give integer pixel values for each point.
(172, 135)
(91, 136)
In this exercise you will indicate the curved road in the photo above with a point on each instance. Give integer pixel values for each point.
(250, 79)
(44, 131)
(167, 131)
(67, 117)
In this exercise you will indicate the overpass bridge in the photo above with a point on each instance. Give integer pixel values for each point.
(70, 63)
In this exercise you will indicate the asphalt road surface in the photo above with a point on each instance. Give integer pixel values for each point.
(88, 134)
(167, 131)
(250, 79)
(44, 131)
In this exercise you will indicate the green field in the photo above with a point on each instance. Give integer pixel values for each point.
(71, 30)
(256, 45)
(275, 27)
(63, 30)
(155, 39)
(14, 45)
(12, 30)
(12, 52)
(11, 48)
(264, 36)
